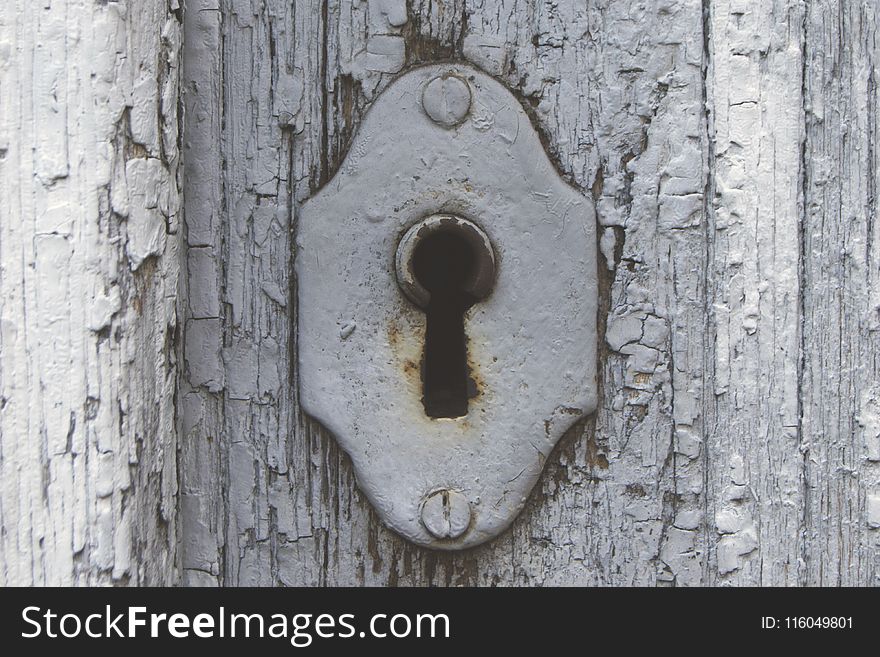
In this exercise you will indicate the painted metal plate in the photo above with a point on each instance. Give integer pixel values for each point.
(447, 483)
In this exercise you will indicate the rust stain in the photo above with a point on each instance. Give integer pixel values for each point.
(407, 348)
(406, 353)
(393, 334)
(412, 370)
(476, 382)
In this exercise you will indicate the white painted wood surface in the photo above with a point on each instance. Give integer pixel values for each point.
(731, 148)
(89, 251)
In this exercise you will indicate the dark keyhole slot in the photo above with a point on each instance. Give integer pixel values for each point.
(442, 263)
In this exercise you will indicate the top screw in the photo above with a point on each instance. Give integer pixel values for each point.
(447, 100)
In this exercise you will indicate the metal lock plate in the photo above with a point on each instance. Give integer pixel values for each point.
(447, 148)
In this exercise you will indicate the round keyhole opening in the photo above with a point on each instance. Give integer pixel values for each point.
(442, 263)
(445, 265)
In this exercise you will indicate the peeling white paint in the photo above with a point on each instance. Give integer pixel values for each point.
(709, 136)
(88, 365)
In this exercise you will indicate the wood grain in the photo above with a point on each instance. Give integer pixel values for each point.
(89, 267)
(731, 150)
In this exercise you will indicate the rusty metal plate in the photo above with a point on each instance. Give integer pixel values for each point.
(447, 141)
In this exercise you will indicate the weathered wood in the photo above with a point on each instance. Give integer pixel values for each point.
(731, 150)
(755, 491)
(840, 299)
(88, 291)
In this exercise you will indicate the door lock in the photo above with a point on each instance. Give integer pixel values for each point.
(445, 264)
(447, 299)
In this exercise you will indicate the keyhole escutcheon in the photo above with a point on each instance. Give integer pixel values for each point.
(445, 264)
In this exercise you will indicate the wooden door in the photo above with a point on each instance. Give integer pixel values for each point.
(731, 151)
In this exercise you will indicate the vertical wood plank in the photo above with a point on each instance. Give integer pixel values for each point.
(89, 230)
(754, 445)
(841, 316)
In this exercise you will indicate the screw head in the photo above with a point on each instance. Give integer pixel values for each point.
(446, 513)
(447, 100)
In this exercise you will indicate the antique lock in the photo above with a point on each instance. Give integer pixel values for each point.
(447, 298)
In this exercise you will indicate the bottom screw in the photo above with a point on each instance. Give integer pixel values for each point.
(446, 513)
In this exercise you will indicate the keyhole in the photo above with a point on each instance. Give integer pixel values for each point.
(450, 266)
(442, 263)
